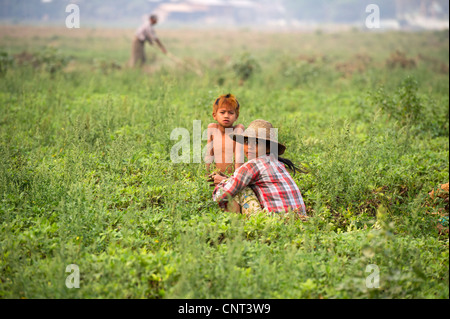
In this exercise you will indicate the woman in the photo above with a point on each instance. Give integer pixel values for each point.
(263, 183)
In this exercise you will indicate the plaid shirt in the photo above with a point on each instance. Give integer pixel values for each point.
(271, 182)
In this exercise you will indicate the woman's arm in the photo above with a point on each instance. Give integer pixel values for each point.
(161, 46)
(243, 177)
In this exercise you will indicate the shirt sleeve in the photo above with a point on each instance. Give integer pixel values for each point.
(243, 177)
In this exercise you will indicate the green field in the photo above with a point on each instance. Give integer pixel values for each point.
(86, 176)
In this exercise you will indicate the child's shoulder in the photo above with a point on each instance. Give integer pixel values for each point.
(239, 127)
(213, 125)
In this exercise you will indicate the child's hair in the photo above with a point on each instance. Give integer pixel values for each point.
(227, 100)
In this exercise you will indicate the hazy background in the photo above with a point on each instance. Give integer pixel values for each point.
(276, 14)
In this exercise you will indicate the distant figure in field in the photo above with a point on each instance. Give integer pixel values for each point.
(145, 32)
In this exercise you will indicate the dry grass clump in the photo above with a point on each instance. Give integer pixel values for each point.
(399, 59)
(311, 59)
(441, 194)
(436, 64)
(25, 58)
(357, 64)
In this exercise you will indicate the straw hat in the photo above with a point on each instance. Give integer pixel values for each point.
(262, 130)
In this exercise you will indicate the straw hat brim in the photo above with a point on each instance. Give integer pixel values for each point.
(281, 147)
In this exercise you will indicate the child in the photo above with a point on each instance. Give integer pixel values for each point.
(221, 148)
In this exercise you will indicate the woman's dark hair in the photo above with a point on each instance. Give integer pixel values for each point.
(287, 162)
(292, 166)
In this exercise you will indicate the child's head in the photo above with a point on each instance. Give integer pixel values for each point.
(228, 101)
(226, 110)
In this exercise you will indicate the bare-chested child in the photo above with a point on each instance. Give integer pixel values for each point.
(222, 150)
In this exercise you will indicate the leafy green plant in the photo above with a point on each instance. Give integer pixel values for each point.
(404, 106)
(302, 72)
(50, 60)
(86, 176)
(6, 61)
(245, 67)
(408, 108)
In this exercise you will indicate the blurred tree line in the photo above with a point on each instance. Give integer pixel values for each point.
(89, 9)
(354, 10)
(306, 10)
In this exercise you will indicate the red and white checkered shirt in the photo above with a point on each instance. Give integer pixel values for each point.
(271, 182)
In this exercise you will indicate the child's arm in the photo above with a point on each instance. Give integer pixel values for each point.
(209, 156)
(239, 148)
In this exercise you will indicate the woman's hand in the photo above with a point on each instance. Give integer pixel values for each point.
(216, 177)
